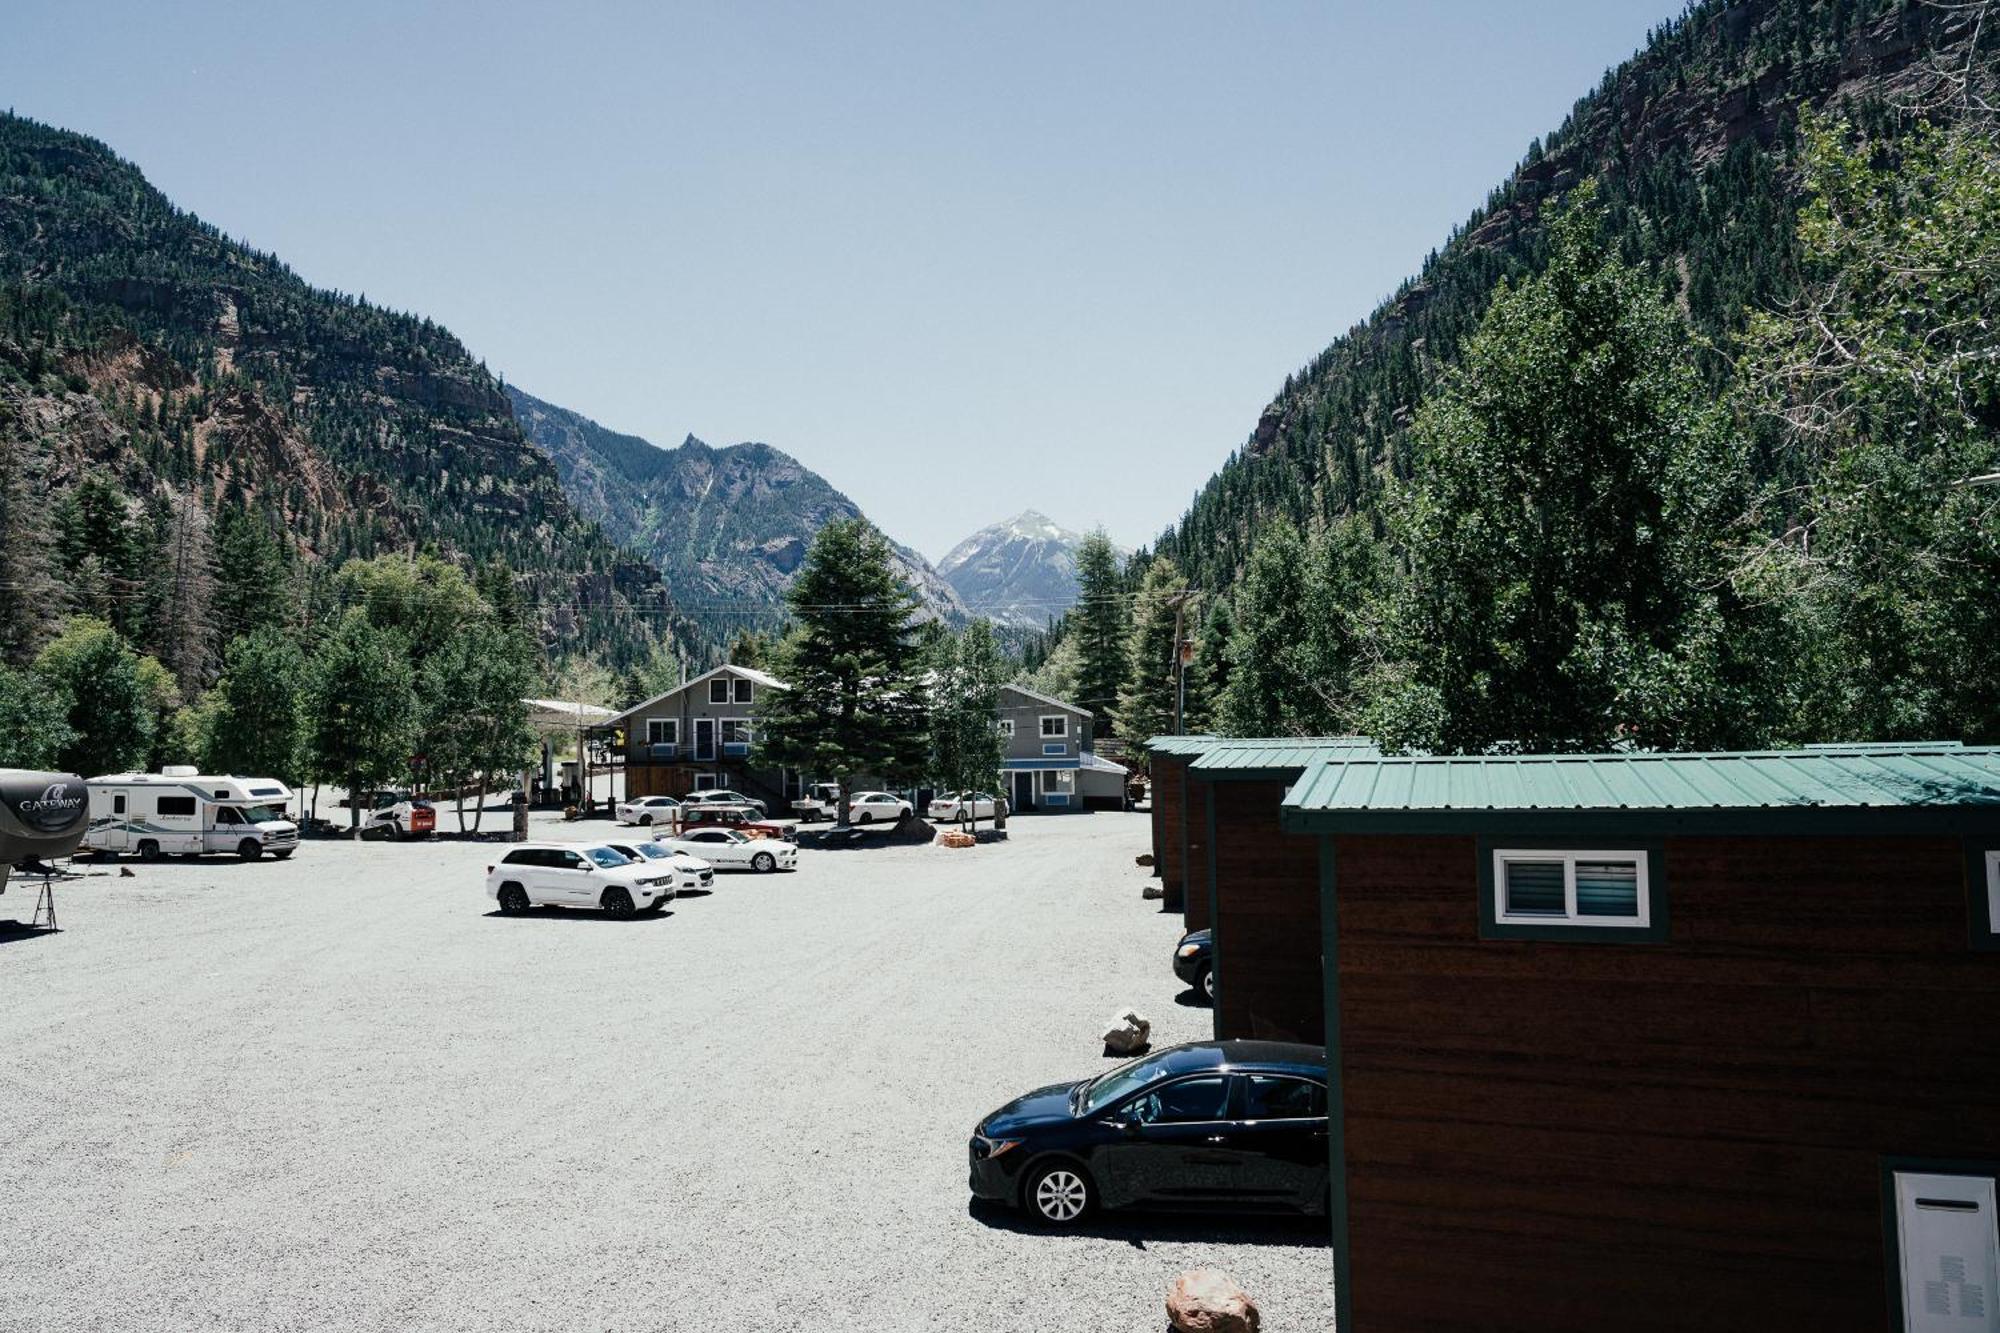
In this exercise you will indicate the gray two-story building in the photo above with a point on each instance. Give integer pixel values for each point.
(1050, 764)
(699, 735)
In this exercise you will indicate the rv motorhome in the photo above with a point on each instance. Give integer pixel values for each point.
(178, 811)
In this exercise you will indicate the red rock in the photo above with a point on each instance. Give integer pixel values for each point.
(1207, 1300)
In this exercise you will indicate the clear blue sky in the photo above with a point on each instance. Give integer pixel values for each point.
(962, 259)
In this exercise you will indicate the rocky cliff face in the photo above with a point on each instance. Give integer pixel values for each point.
(1021, 573)
(727, 527)
(190, 360)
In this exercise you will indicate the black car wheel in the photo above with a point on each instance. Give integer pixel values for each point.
(249, 849)
(763, 863)
(645, 821)
(513, 899)
(618, 902)
(1205, 983)
(1059, 1194)
(149, 850)
(864, 818)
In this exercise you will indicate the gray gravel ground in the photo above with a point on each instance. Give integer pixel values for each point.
(337, 1093)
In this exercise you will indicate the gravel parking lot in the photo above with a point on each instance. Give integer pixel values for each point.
(339, 1093)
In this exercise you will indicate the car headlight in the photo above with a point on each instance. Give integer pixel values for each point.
(994, 1147)
(1187, 950)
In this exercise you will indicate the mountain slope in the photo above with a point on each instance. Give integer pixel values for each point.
(190, 361)
(1692, 141)
(726, 527)
(1020, 573)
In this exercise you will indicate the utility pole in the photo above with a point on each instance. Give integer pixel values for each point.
(1181, 647)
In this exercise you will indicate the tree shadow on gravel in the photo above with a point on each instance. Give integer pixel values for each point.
(579, 914)
(1138, 1227)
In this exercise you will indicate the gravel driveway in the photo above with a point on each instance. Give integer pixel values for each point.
(338, 1093)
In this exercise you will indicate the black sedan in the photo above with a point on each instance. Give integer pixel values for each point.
(1213, 1124)
(1194, 962)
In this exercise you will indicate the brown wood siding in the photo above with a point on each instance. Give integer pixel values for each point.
(1169, 808)
(658, 780)
(1194, 905)
(1654, 1138)
(1266, 919)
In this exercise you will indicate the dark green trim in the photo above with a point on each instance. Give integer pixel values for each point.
(1892, 1249)
(1186, 814)
(1214, 923)
(1336, 1100)
(1653, 932)
(1983, 930)
(1764, 821)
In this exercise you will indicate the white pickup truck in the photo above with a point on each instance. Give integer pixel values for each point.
(821, 801)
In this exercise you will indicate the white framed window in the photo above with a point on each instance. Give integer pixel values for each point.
(663, 730)
(1054, 726)
(735, 731)
(1572, 888)
(1059, 781)
(1007, 727)
(745, 690)
(718, 690)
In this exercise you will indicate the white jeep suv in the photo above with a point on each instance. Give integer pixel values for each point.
(568, 874)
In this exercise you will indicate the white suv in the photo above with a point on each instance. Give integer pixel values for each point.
(567, 874)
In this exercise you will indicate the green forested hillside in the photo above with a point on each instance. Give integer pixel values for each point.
(1694, 144)
(142, 346)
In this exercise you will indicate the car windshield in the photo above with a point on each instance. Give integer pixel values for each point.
(652, 851)
(262, 814)
(733, 836)
(1105, 1089)
(605, 857)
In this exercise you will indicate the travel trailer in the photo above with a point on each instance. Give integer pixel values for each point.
(181, 812)
(41, 817)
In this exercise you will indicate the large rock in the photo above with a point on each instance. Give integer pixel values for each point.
(1207, 1300)
(1127, 1033)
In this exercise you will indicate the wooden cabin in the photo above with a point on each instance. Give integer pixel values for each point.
(1662, 1043)
(1256, 887)
(1167, 761)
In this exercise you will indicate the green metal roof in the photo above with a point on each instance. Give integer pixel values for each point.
(1280, 757)
(1180, 745)
(1382, 793)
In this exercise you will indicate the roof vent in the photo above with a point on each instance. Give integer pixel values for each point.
(179, 771)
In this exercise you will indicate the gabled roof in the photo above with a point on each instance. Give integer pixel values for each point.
(763, 679)
(1772, 787)
(1280, 758)
(1048, 699)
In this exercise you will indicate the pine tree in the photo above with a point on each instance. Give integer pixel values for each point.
(1100, 625)
(185, 589)
(1148, 702)
(967, 750)
(1269, 670)
(250, 575)
(855, 704)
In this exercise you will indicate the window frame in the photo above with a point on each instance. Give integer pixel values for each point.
(743, 691)
(669, 726)
(1061, 732)
(1229, 1099)
(722, 726)
(1982, 873)
(1006, 725)
(718, 683)
(1650, 926)
(1247, 1076)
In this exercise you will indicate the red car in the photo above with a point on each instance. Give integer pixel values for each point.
(696, 816)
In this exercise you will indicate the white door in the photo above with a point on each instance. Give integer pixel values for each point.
(1950, 1253)
(562, 878)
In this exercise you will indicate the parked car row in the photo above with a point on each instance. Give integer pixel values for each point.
(627, 876)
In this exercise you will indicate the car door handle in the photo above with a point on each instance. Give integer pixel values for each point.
(1216, 1138)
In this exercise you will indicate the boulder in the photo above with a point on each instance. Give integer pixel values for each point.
(1143, 859)
(956, 839)
(1127, 1033)
(1153, 891)
(1207, 1300)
